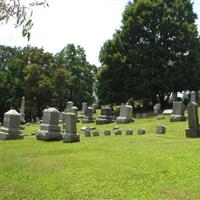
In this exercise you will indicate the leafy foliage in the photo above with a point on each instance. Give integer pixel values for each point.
(20, 12)
(156, 52)
(45, 80)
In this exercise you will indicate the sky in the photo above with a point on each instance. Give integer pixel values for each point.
(88, 23)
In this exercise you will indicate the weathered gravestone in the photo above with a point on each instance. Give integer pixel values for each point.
(160, 129)
(94, 107)
(49, 130)
(84, 107)
(178, 112)
(193, 130)
(126, 114)
(88, 116)
(106, 115)
(129, 132)
(157, 108)
(74, 110)
(11, 126)
(22, 117)
(69, 106)
(193, 97)
(70, 134)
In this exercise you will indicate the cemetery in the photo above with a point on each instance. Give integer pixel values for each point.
(120, 125)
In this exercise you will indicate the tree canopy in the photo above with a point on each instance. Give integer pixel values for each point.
(44, 79)
(155, 52)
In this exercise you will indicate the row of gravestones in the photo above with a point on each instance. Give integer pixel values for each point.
(49, 130)
(160, 129)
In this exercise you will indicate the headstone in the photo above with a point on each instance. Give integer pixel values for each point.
(157, 108)
(141, 131)
(88, 116)
(84, 107)
(193, 130)
(87, 133)
(117, 132)
(106, 115)
(49, 129)
(74, 110)
(37, 120)
(69, 105)
(160, 129)
(22, 113)
(129, 132)
(95, 133)
(94, 107)
(193, 97)
(107, 132)
(178, 112)
(11, 126)
(70, 134)
(126, 114)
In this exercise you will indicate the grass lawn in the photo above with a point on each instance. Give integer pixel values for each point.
(137, 167)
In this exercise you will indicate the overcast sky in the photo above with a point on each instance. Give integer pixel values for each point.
(88, 23)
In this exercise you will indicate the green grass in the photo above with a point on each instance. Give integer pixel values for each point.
(147, 167)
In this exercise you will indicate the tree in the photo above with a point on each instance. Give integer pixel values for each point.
(157, 49)
(39, 90)
(73, 60)
(20, 12)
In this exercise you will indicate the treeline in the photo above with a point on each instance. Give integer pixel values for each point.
(44, 79)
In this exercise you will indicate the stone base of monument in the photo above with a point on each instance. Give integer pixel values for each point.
(10, 134)
(177, 118)
(87, 120)
(192, 132)
(104, 120)
(48, 135)
(71, 137)
(124, 120)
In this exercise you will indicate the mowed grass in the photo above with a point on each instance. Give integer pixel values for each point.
(143, 167)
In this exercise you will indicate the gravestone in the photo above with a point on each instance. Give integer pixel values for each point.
(193, 97)
(87, 133)
(157, 108)
(22, 117)
(69, 106)
(88, 116)
(141, 131)
(11, 126)
(70, 134)
(160, 129)
(74, 110)
(178, 112)
(193, 130)
(94, 107)
(117, 132)
(49, 130)
(107, 132)
(84, 107)
(106, 115)
(126, 114)
(129, 132)
(95, 133)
